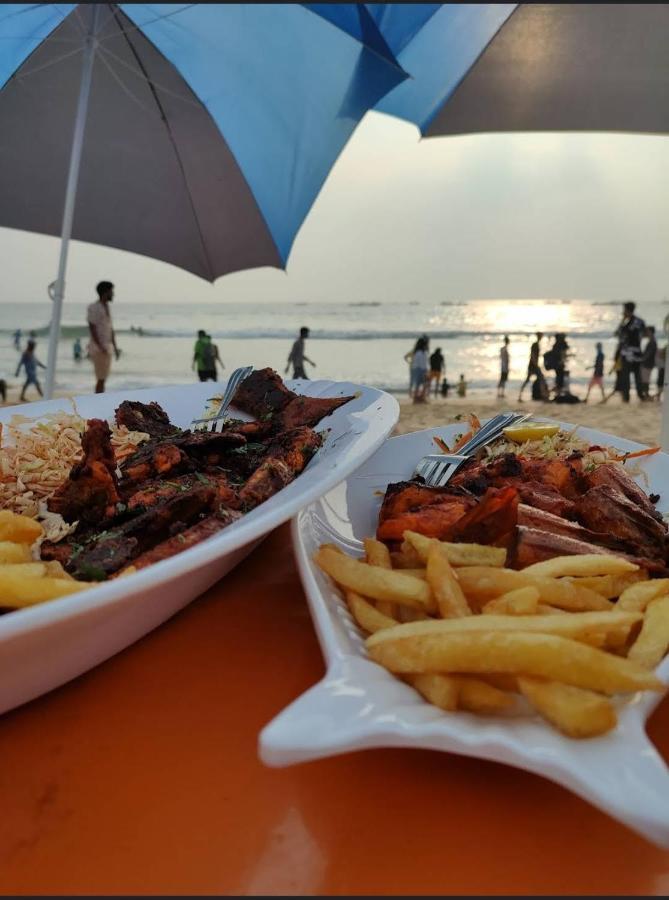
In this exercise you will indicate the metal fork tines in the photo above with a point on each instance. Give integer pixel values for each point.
(209, 423)
(436, 468)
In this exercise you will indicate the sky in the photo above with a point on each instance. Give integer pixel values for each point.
(452, 218)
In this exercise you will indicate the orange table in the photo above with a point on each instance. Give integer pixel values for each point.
(143, 776)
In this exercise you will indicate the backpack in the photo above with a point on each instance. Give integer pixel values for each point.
(209, 356)
(551, 359)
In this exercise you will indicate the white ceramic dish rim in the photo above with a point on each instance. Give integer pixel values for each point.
(46, 614)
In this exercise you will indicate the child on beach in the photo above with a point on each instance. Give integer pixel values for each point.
(462, 386)
(597, 377)
(298, 357)
(30, 362)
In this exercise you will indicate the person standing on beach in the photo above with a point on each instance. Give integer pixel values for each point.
(103, 339)
(298, 357)
(17, 339)
(597, 377)
(533, 366)
(647, 363)
(30, 362)
(503, 366)
(629, 334)
(419, 371)
(204, 360)
(437, 367)
(462, 386)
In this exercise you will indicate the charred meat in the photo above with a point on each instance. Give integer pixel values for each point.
(91, 492)
(180, 487)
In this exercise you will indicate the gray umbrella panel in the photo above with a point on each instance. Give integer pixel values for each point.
(156, 178)
(567, 67)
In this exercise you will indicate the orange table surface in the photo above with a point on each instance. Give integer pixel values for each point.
(142, 776)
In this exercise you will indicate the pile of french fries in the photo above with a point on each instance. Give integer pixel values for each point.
(469, 634)
(24, 582)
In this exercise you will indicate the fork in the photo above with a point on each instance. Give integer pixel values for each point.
(437, 468)
(209, 423)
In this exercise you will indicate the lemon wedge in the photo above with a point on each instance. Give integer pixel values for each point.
(533, 431)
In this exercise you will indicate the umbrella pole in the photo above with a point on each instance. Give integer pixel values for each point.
(664, 436)
(70, 197)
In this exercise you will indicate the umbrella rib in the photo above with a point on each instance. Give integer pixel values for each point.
(172, 141)
(140, 75)
(19, 76)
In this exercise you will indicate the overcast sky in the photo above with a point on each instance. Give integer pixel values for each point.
(451, 218)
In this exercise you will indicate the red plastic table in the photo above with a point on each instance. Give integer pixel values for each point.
(142, 776)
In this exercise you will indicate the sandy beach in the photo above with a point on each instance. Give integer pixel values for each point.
(635, 421)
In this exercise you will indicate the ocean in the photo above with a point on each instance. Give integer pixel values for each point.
(361, 342)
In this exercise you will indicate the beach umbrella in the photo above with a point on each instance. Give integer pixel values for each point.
(197, 134)
(530, 67)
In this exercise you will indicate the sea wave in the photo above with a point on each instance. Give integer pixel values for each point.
(68, 332)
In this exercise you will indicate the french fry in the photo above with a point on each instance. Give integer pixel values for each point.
(583, 564)
(377, 553)
(638, 596)
(54, 569)
(416, 573)
(457, 554)
(609, 586)
(521, 602)
(368, 617)
(518, 653)
(476, 695)
(651, 645)
(19, 590)
(440, 690)
(545, 610)
(371, 581)
(410, 556)
(444, 583)
(11, 552)
(25, 570)
(410, 614)
(482, 583)
(19, 529)
(576, 626)
(576, 712)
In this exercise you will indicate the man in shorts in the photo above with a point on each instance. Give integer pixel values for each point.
(503, 366)
(297, 356)
(103, 339)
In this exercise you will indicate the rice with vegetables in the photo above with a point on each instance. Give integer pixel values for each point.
(36, 456)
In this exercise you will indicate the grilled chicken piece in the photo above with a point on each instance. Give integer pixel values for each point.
(546, 521)
(150, 418)
(114, 549)
(492, 521)
(262, 394)
(407, 496)
(307, 411)
(450, 516)
(616, 478)
(555, 475)
(90, 493)
(153, 460)
(153, 492)
(607, 510)
(545, 497)
(185, 539)
(286, 457)
(535, 545)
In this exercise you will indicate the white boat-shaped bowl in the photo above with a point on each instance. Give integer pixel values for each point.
(359, 705)
(44, 646)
